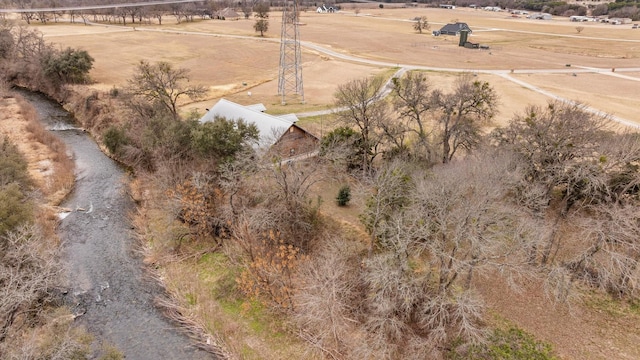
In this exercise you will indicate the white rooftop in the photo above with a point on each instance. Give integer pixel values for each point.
(271, 127)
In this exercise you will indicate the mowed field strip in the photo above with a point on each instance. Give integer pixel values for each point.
(600, 66)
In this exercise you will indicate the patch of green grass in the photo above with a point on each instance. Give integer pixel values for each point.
(192, 299)
(612, 306)
(634, 306)
(510, 343)
(110, 352)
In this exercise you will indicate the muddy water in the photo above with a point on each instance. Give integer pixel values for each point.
(108, 290)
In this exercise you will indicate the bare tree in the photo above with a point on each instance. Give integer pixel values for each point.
(412, 100)
(163, 84)
(362, 106)
(28, 274)
(453, 226)
(461, 114)
(421, 23)
(391, 188)
(262, 17)
(609, 255)
(327, 298)
(557, 145)
(247, 8)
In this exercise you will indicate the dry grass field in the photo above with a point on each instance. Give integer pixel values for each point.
(232, 60)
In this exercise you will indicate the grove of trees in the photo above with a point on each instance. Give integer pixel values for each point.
(552, 199)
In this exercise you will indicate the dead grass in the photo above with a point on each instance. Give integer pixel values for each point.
(48, 161)
(225, 65)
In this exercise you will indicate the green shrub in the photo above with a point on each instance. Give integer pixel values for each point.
(344, 195)
(68, 66)
(223, 138)
(509, 344)
(114, 138)
(13, 166)
(15, 209)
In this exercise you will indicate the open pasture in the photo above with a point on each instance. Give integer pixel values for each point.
(232, 60)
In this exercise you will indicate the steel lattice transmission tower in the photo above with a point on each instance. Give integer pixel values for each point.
(290, 75)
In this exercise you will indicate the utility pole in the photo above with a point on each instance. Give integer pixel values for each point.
(290, 74)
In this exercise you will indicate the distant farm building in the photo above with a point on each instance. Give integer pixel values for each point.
(576, 18)
(540, 16)
(447, 6)
(323, 9)
(617, 21)
(492, 8)
(453, 29)
(279, 134)
(227, 14)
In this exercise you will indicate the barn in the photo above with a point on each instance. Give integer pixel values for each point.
(278, 134)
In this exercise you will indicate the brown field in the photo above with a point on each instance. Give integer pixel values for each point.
(233, 66)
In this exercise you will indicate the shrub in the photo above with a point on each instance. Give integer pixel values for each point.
(13, 167)
(345, 146)
(68, 66)
(15, 209)
(509, 344)
(114, 139)
(344, 195)
(223, 138)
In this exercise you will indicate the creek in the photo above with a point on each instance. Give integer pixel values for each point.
(108, 290)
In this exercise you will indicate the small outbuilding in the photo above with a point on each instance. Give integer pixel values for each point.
(454, 29)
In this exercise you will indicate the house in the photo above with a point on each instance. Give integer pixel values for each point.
(227, 14)
(279, 134)
(454, 29)
(325, 9)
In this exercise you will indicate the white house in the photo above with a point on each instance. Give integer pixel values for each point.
(325, 9)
